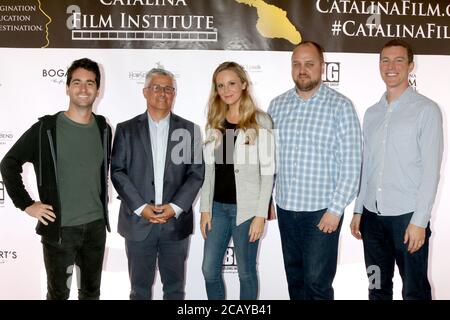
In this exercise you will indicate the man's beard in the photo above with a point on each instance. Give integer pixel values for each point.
(306, 86)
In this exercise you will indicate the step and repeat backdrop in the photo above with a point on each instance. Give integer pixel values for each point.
(40, 38)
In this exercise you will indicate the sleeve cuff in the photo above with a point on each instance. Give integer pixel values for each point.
(177, 209)
(139, 210)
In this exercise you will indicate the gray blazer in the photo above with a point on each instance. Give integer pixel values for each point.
(254, 169)
(133, 177)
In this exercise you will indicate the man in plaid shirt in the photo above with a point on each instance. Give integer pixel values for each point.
(318, 167)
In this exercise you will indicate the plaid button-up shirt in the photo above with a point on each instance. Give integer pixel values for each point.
(318, 143)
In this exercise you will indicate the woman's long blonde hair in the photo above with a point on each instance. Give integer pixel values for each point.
(217, 109)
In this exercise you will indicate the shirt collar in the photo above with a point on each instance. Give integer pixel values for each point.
(319, 92)
(164, 122)
(400, 101)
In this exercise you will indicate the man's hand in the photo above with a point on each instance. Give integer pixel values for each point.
(354, 226)
(415, 235)
(167, 212)
(42, 212)
(256, 228)
(328, 223)
(153, 214)
(205, 223)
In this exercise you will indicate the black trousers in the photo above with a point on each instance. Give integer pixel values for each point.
(84, 246)
(383, 248)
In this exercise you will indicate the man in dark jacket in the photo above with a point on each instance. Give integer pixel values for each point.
(157, 169)
(70, 152)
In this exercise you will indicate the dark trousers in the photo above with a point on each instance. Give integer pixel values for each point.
(310, 255)
(383, 238)
(171, 257)
(84, 246)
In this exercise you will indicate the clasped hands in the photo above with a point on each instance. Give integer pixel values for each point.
(158, 213)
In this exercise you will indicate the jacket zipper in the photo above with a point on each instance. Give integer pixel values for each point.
(52, 150)
(40, 153)
(105, 171)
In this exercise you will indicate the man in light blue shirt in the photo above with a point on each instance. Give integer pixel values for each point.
(318, 150)
(403, 142)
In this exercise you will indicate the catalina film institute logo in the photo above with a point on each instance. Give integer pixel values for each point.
(179, 26)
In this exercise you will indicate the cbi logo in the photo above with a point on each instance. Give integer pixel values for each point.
(55, 75)
(332, 74)
(229, 261)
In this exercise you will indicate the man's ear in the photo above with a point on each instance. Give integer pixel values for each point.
(411, 67)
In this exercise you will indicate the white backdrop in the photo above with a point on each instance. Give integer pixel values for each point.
(32, 83)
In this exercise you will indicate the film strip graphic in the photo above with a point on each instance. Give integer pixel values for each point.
(191, 36)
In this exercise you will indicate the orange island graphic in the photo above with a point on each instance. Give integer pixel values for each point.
(273, 22)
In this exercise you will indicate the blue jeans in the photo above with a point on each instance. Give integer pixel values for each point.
(83, 245)
(223, 227)
(310, 255)
(383, 247)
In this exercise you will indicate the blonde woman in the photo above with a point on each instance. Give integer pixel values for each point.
(240, 164)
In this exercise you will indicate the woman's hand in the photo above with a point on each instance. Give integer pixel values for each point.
(205, 223)
(256, 228)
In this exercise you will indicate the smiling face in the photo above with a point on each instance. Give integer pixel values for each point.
(395, 67)
(82, 89)
(306, 69)
(229, 87)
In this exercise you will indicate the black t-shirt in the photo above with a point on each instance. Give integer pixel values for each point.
(225, 185)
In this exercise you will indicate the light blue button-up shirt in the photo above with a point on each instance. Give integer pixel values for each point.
(159, 134)
(403, 145)
(318, 143)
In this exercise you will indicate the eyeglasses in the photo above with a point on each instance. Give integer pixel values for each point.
(157, 88)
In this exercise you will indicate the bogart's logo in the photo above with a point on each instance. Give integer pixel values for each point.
(331, 75)
(7, 255)
(56, 75)
(130, 23)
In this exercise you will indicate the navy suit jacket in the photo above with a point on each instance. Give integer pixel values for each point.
(133, 176)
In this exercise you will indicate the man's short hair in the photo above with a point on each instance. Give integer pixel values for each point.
(315, 45)
(158, 72)
(400, 43)
(86, 64)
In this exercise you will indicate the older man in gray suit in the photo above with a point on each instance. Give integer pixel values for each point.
(157, 169)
